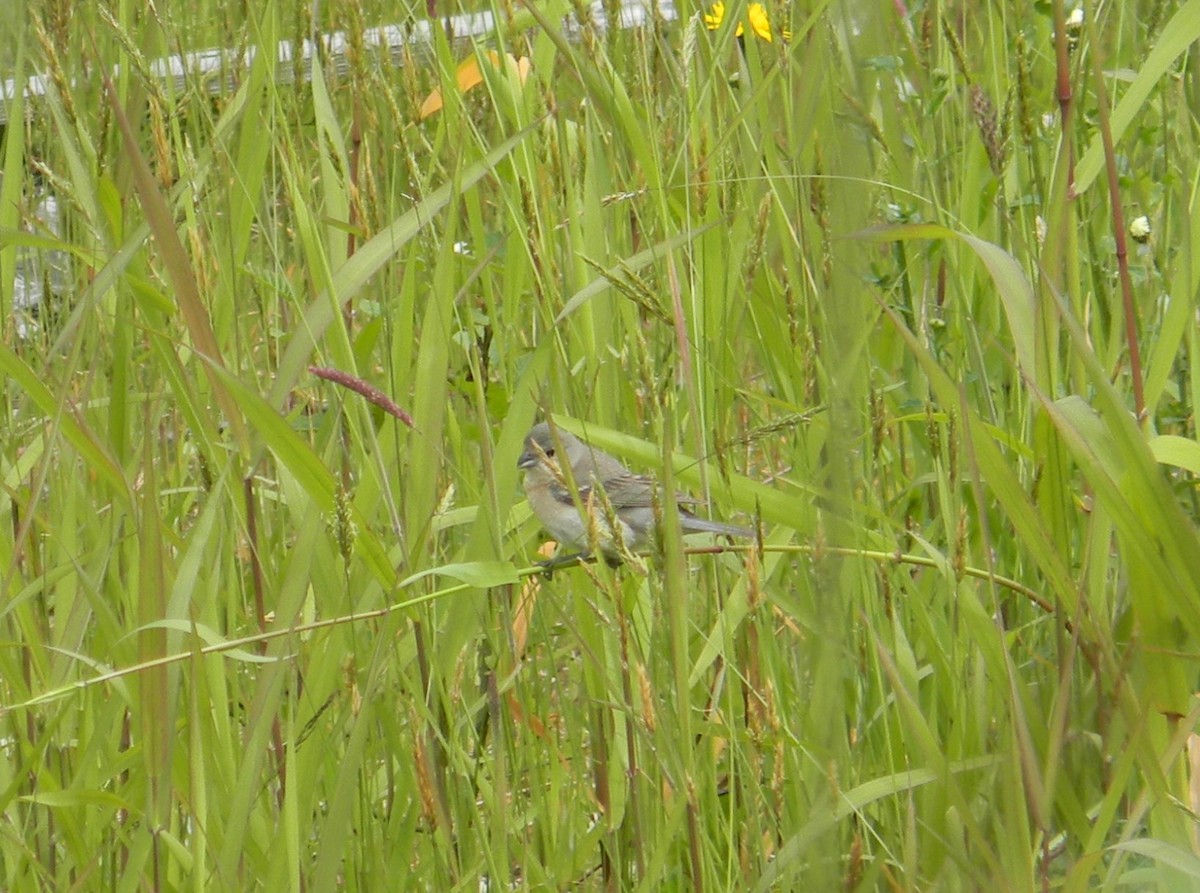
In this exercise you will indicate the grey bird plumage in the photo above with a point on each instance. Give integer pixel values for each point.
(630, 497)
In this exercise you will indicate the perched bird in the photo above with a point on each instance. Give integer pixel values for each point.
(626, 498)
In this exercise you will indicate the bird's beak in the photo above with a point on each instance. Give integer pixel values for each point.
(527, 460)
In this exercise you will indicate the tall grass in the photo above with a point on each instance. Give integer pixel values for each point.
(871, 289)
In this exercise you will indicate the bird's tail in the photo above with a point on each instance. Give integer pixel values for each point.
(691, 524)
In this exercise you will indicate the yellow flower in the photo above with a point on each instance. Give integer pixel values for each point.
(755, 12)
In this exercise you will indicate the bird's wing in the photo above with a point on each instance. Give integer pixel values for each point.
(563, 495)
(625, 491)
(630, 491)
(639, 491)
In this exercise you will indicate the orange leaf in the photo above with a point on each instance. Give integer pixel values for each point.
(468, 76)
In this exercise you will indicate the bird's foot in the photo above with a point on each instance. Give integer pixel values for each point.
(550, 565)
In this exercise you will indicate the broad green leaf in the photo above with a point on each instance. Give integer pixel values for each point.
(93, 450)
(77, 799)
(310, 472)
(1012, 285)
(1182, 452)
(368, 259)
(1164, 853)
(601, 284)
(1174, 39)
(178, 265)
(210, 637)
(480, 574)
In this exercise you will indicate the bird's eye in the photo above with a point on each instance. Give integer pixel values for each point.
(549, 452)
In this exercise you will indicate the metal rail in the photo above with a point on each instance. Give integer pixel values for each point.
(219, 70)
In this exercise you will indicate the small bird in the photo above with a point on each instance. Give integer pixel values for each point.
(630, 497)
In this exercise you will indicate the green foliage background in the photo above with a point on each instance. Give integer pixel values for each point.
(871, 288)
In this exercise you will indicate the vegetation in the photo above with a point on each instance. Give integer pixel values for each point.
(912, 290)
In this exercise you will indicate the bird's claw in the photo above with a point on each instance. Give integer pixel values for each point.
(550, 565)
